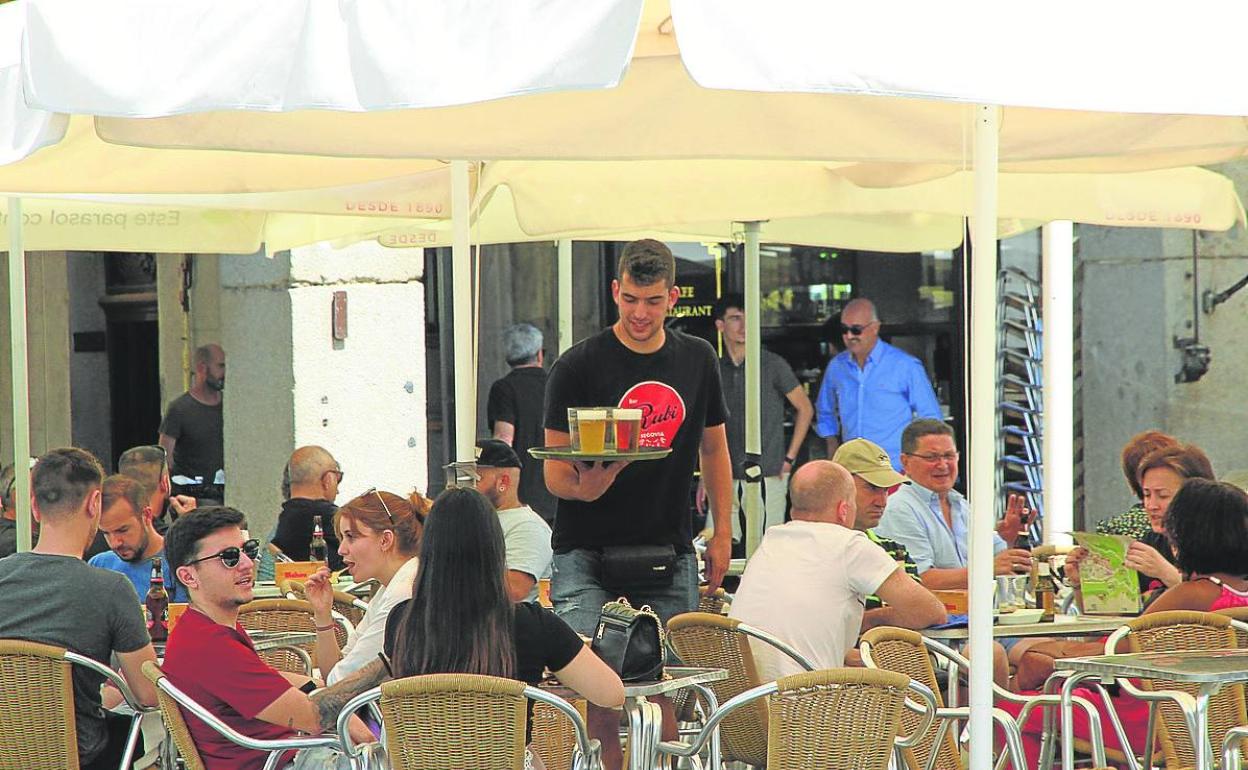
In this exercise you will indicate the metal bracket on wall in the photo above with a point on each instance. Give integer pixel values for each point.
(1196, 359)
(1209, 301)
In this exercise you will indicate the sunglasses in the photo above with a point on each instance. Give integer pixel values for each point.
(381, 500)
(856, 329)
(230, 556)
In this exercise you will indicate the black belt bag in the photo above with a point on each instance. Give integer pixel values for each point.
(627, 567)
(630, 641)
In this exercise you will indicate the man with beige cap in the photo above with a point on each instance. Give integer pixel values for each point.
(809, 578)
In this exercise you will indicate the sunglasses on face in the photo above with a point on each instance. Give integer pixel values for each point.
(855, 329)
(230, 556)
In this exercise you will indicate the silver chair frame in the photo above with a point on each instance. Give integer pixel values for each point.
(132, 737)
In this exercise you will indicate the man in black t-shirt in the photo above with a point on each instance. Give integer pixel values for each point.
(192, 430)
(314, 479)
(514, 412)
(673, 378)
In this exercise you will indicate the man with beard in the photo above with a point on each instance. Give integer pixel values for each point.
(526, 534)
(191, 432)
(126, 524)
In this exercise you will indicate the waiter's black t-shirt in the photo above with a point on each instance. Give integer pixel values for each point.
(517, 398)
(678, 390)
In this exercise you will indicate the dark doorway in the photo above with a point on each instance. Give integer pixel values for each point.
(133, 348)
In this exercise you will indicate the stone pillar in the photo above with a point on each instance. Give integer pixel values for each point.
(290, 383)
(47, 310)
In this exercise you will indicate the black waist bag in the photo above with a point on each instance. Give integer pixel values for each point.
(627, 567)
(630, 641)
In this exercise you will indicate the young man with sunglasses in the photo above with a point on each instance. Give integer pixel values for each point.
(871, 390)
(314, 479)
(49, 595)
(211, 658)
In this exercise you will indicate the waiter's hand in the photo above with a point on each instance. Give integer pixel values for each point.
(182, 504)
(718, 552)
(593, 479)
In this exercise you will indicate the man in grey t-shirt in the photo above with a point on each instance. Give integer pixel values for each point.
(778, 385)
(527, 535)
(49, 595)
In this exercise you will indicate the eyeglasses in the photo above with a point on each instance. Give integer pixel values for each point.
(382, 500)
(951, 457)
(230, 556)
(856, 329)
(337, 472)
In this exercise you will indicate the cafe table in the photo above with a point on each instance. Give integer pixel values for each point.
(645, 718)
(1209, 669)
(1062, 625)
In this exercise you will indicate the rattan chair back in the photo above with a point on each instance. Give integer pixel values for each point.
(36, 707)
(713, 641)
(714, 603)
(843, 718)
(175, 721)
(284, 615)
(349, 607)
(901, 651)
(454, 721)
(1240, 614)
(1185, 630)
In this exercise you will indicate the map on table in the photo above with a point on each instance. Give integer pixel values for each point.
(1109, 587)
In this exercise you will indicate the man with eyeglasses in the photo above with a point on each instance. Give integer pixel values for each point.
(149, 466)
(871, 390)
(210, 657)
(931, 518)
(314, 479)
(49, 595)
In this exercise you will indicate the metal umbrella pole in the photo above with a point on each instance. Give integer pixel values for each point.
(18, 367)
(753, 378)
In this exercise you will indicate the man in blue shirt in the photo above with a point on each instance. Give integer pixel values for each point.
(126, 523)
(932, 519)
(871, 390)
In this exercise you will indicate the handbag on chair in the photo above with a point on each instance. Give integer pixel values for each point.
(630, 641)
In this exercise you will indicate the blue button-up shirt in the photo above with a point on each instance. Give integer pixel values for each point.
(913, 517)
(875, 402)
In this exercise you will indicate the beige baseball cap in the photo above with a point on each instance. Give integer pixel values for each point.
(864, 458)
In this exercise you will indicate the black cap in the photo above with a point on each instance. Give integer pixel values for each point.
(492, 453)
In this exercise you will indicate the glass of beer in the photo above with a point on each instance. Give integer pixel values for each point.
(592, 427)
(627, 429)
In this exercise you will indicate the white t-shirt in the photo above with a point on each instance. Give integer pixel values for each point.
(366, 641)
(527, 537)
(806, 584)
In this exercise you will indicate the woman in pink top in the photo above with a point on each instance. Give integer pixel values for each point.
(1208, 524)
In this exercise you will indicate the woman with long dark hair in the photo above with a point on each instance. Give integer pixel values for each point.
(460, 619)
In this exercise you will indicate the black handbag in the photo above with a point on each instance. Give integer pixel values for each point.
(630, 641)
(629, 567)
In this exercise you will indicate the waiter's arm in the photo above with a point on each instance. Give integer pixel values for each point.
(717, 477)
(578, 481)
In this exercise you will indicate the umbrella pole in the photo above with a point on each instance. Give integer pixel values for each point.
(18, 369)
(565, 295)
(982, 438)
(461, 308)
(753, 379)
(1058, 272)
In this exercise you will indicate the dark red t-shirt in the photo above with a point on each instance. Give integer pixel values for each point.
(219, 668)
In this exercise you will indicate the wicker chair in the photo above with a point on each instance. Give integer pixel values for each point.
(714, 641)
(1170, 632)
(174, 704)
(1240, 614)
(714, 603)
(286, 615)
(450, 721)
(864, 705)
(907, 652)
(37, 730)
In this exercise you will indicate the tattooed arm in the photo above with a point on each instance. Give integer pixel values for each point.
(329, 701)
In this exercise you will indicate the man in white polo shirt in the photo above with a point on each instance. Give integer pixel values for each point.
(809, 579)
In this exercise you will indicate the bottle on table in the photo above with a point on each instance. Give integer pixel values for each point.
(157, 605)
(317, 549)
(1046, 592)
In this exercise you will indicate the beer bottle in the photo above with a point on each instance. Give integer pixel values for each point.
(1046, 595)
(157, 605)
(317, 549)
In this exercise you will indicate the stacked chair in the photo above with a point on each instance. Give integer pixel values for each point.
(1020, 387)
